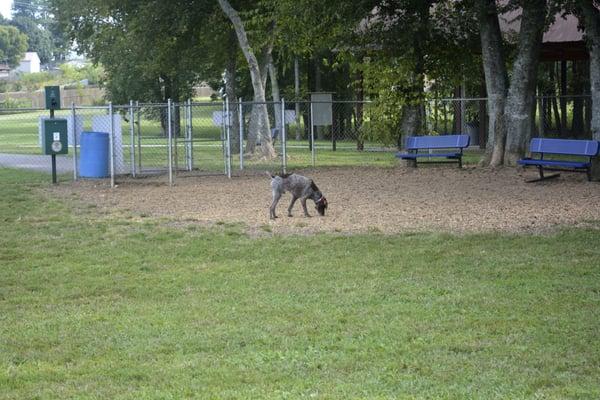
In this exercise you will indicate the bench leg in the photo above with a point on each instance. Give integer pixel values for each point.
(589, 174)
(459, 162)
(542, 177)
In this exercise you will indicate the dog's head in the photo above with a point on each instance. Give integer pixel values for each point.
(321, 205)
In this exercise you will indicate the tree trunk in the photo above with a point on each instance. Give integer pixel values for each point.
(230, 91)
(275, 94)
(411, 122)
(496, 80)
(592, 29)
(458, 117)
(563, 99)
(360, 97)
(521, 93)
(297, 97)
(259, 110)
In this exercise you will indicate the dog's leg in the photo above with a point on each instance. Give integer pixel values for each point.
(303, 202)
(276, 197)
(294, 198)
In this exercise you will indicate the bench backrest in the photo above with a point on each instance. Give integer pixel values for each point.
(574, 147)
(437, 142)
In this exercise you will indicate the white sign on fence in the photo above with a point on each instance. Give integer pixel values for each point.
(322, 109)
(217, 117)
(290, 116)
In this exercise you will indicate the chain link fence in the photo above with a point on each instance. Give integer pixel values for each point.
(565, 117)
(165, 142)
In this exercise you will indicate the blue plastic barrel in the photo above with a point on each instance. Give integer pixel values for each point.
(94, 155)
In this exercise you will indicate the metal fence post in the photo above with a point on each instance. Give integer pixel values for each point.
(227, 137)
(312, 135)
(176, 113)
(132, 138)
(241, 122)
(283, 137)
(111, 138)
(334, 126)
(74, 130)
(223, 136)
(139, 135)
(190, 135)
(170, 142)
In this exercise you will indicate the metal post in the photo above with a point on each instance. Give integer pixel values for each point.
(132, 138)
(312, 135)
(176, 137)
(297, 96)
(283, 137)
(53, 157)
(186, 139)
(241, 122)
(139, 135)
(74, 128)
(463, 110)
(190, 135)
(223, 145)
(228, 138)
(111, 140)
(170, 142)
(333, 129)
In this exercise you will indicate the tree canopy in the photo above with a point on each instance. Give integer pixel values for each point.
(13, 45)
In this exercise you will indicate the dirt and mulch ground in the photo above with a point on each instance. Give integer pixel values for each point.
(401, 199)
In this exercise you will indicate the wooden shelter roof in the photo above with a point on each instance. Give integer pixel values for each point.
(563, 40)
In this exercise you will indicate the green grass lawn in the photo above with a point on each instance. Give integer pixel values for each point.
(97, 305)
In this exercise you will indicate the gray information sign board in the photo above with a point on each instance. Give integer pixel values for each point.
(322, 108)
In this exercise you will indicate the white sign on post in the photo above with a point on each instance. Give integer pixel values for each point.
(322, 108)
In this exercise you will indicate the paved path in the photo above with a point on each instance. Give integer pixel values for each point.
(64, 164)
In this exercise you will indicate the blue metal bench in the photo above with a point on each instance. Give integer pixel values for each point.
(430, 143)
(563, 147)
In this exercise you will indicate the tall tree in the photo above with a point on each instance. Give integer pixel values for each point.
(33, 18)
(591, 18)
(511, 121)
(259, 125)
(13, 45)
(520, 101)
(496, 81)
(146, 61)
(39, 39)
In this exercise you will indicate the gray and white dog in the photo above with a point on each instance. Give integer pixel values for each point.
(300, 187)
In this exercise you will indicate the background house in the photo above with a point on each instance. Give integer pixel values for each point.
(30, 63)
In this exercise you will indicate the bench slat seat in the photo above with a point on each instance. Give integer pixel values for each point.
(555, 163)
(414, 144)
(409, 156)
(564, 147)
